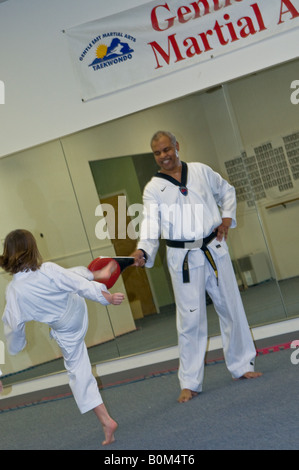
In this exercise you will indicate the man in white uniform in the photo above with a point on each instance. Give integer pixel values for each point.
(192, 207)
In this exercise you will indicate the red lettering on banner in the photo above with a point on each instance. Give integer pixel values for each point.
(248, 26)
(205, 40)
(194, 47)
(182, 12)
(185, 13)
(290, 9)
(206, 6)
(231, 28)
(218, 31)
(166, 56)
(154, 19)
(258, 16)
(225, 33)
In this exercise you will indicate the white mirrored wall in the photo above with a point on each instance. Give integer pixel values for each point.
(247, 130)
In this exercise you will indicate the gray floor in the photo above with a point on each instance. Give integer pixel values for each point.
(262, 303)
(228, 415)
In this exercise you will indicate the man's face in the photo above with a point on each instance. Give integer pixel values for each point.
(165, 153)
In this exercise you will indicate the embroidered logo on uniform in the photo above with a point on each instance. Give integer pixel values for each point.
(184, 190)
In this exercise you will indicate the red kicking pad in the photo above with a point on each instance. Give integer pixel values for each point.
(121, 264)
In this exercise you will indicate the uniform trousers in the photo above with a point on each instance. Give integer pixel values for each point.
(69, 333)
(238, 347)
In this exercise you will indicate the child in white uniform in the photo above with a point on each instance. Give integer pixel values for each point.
(48, 293)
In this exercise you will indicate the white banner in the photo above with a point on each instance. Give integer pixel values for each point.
(158, 38)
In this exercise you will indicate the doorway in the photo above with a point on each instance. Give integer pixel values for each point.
(135, 279)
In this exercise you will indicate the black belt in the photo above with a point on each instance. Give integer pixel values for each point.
(203, 247)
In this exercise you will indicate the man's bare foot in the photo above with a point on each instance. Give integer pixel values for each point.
(186, 395)
(109, 430)
(251, 375)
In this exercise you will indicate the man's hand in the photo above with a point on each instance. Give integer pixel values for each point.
(223, 228)
(139, 258)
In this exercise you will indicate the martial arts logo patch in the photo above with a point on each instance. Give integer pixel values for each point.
(116, 52)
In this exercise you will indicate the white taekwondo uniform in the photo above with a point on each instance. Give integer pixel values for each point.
(55, 296)
(208, 198)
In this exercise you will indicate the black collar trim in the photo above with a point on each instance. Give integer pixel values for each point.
(183, 182)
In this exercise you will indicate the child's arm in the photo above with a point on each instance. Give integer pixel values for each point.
(14, 333)
(80, 280)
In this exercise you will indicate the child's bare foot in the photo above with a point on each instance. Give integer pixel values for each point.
(109, 430)
(108, 424)
(106, 272)
(186, 395)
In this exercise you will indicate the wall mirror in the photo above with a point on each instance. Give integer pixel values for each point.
(247, 130)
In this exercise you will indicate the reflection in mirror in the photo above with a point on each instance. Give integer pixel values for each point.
(149, 291)
(37, 195)
(267, 131)
(239, 130)
(232, 126)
